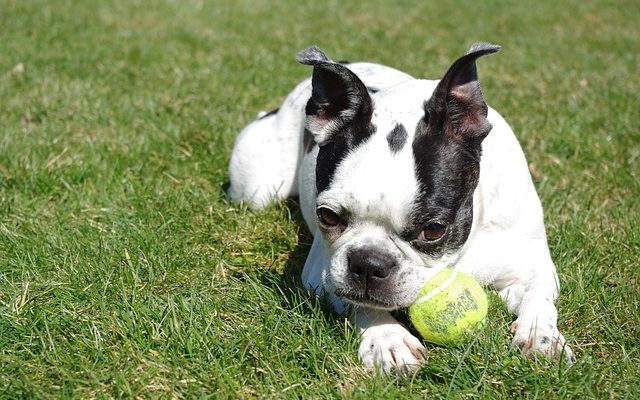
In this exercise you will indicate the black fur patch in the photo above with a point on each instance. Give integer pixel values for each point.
(397, 138)
(447, 150)
(340, 111)
(332, 154)
(448, 174)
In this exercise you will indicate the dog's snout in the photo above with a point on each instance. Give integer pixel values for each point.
(368, 267)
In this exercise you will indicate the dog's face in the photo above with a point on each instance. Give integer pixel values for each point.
(395, 176)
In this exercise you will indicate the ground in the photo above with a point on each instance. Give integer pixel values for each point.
(125, 273)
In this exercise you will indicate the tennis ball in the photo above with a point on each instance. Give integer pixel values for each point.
(449, 305)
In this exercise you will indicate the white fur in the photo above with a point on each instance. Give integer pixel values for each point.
(506, 248)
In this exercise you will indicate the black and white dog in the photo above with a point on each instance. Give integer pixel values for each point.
(398, 178)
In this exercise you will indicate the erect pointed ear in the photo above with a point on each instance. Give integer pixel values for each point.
(338, 98)
(457, 105)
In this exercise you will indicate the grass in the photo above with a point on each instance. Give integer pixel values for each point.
(125, 273)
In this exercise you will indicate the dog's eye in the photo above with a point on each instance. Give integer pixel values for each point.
(432, 232)
(328, 217)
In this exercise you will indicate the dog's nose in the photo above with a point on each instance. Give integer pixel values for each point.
(369, 267)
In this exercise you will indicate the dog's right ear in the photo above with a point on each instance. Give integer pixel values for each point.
(338, 100)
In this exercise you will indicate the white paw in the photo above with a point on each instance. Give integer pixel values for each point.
(390, 348)
(535, 339)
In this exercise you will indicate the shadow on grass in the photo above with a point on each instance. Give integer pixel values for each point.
(289, 283)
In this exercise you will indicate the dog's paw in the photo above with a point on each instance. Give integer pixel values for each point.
(390, 348)
(533, 340)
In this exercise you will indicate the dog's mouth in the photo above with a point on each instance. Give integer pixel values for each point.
(366, 300)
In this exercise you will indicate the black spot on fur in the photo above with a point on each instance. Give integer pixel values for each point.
(372, 89)
(397, 138)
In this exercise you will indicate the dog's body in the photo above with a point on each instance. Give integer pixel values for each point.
(391, 184)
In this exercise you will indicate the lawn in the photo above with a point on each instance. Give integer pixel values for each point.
(124, 272)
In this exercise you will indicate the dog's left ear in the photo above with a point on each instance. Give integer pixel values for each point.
(339, 100)
(457, 105)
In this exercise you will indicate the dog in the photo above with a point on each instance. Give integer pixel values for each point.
(397, 179)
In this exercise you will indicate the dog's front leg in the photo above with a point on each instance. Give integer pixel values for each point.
(532, 298)
(386, 345)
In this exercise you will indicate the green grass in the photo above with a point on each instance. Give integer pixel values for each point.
(125, 273)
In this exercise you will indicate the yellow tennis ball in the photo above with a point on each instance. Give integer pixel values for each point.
(449, 306)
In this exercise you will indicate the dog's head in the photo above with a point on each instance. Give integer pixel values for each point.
(395, 175)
